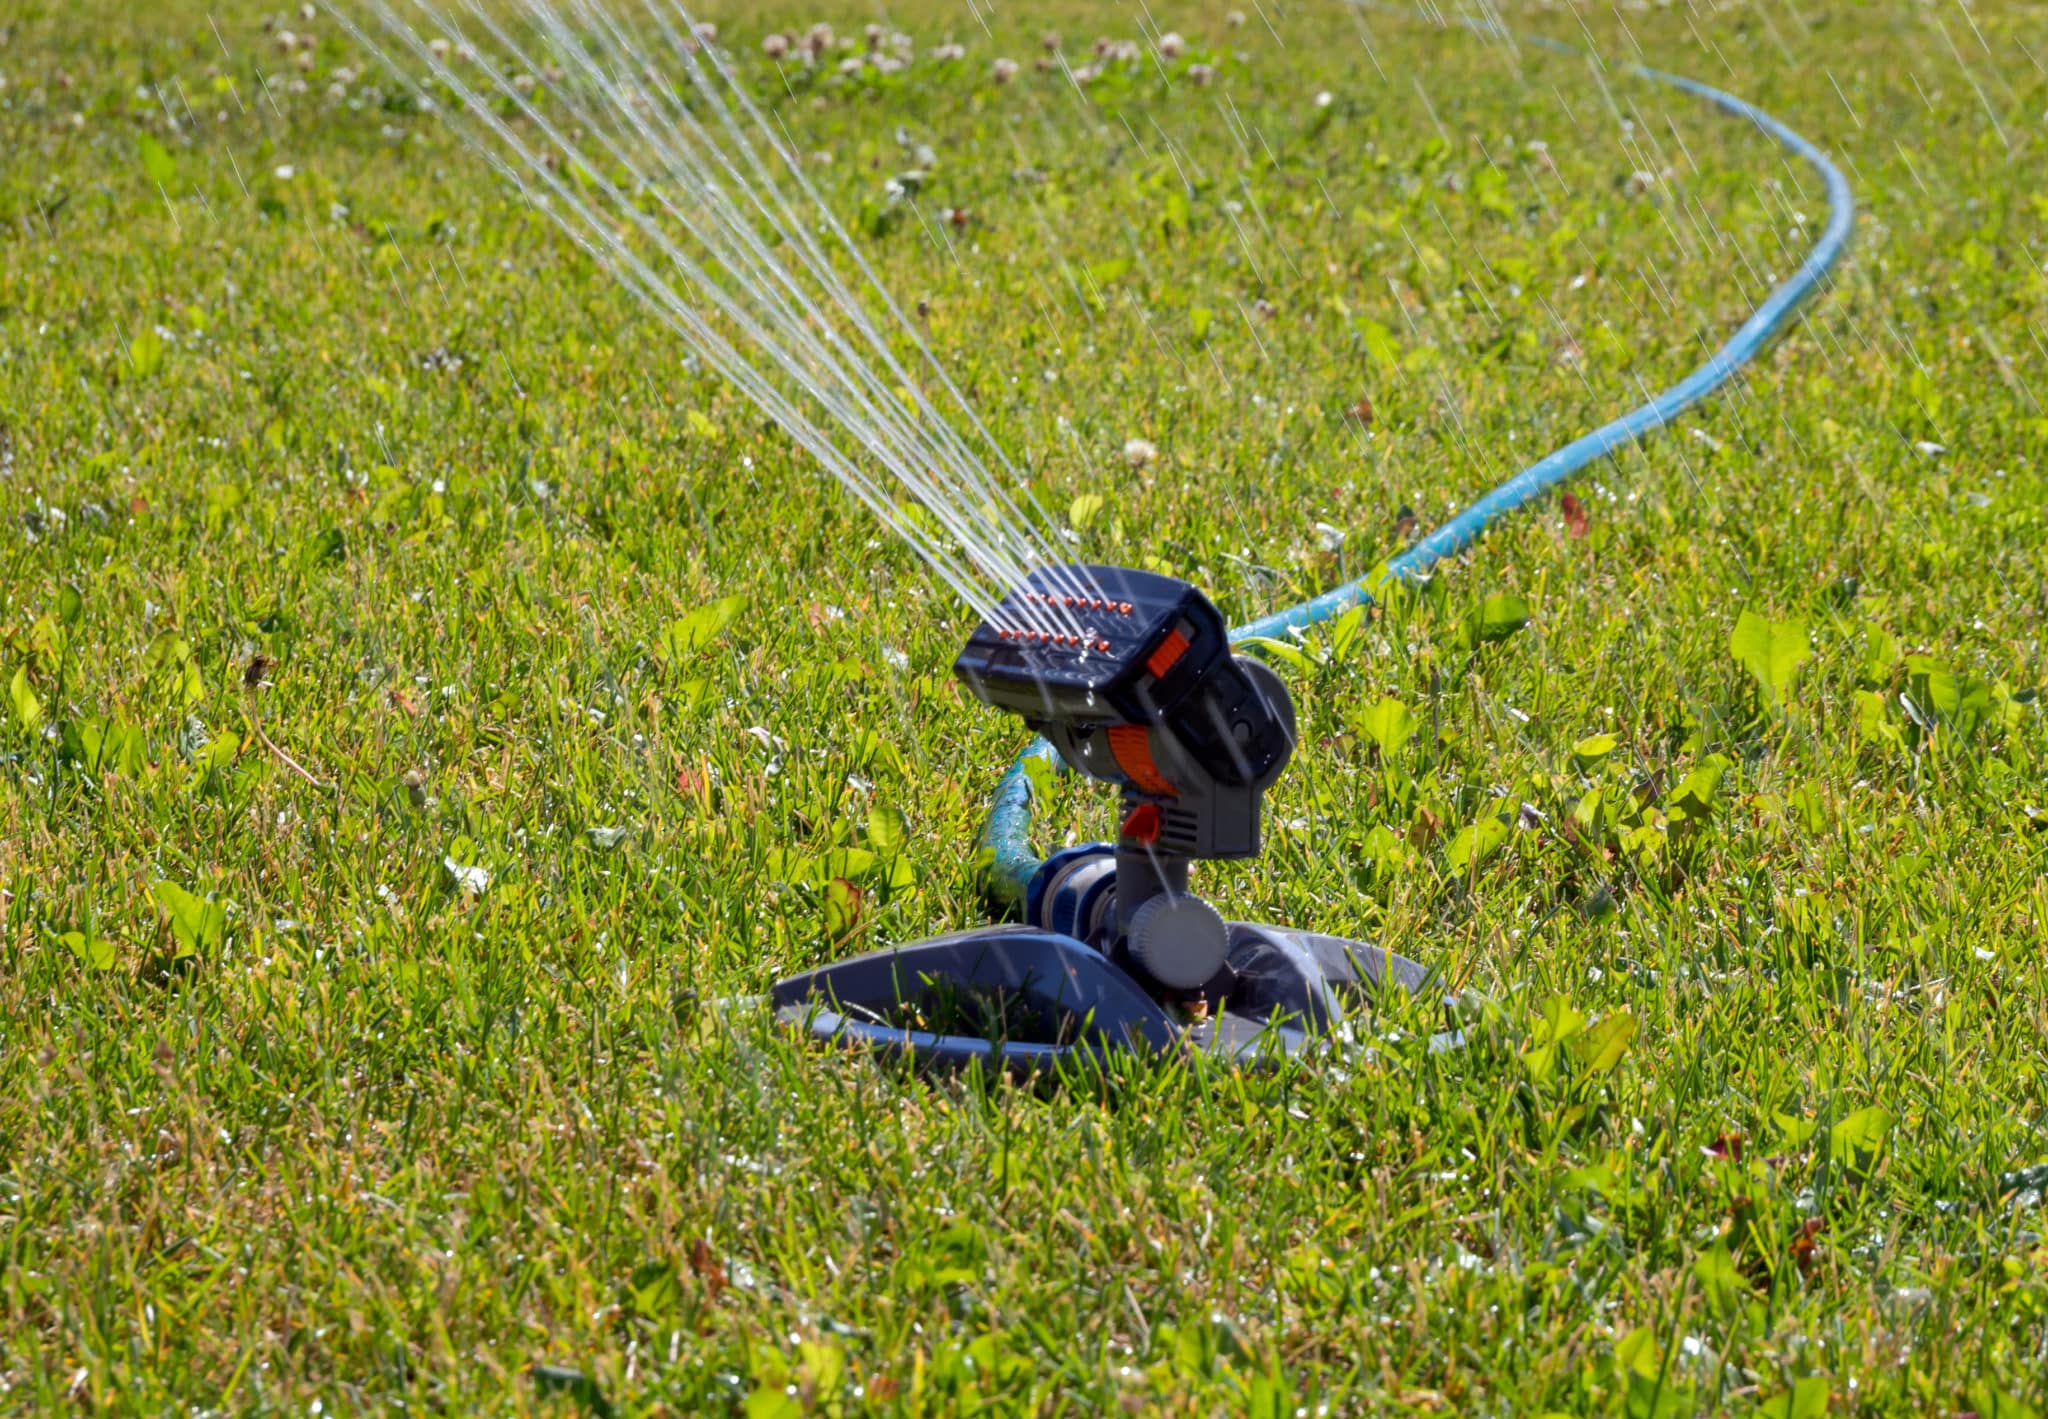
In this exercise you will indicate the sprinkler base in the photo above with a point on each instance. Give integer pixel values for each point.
(1024, 999)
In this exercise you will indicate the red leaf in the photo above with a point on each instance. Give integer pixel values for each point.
(1574, 517)
(1726, 1145)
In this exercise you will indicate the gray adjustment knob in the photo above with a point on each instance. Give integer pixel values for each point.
(1181, 941)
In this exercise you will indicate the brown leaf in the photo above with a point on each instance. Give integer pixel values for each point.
(1361, 413)
(706, 1267)
(843, 905)
(1726, 1145)
(1803, 1245)
(1425, 827)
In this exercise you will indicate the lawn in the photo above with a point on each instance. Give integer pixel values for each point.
(436, 709)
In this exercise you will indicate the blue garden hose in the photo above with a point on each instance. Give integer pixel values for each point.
(1007, 835)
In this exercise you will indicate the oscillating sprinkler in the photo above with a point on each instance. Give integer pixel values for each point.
(1130, 677)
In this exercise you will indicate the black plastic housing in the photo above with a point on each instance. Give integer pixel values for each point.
(1100, 645)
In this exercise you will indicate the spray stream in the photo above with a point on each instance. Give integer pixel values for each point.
(644, 149)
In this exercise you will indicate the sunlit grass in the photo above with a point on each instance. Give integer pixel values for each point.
(398, 558)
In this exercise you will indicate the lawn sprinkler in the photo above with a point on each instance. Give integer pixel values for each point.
(1129, 676)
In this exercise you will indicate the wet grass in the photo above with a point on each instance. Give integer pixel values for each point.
(431, 706)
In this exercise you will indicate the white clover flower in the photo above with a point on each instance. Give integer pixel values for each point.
(1171, 45)
(1234, 18)
(471, 881)
(1325, 99)
(775, 46)
(1201, 75)
(1003, 70)
(949, 52)
(1139, 452)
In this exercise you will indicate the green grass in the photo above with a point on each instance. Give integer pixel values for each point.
(347, 522)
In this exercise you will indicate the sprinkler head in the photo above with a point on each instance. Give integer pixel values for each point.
(1129, 675)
